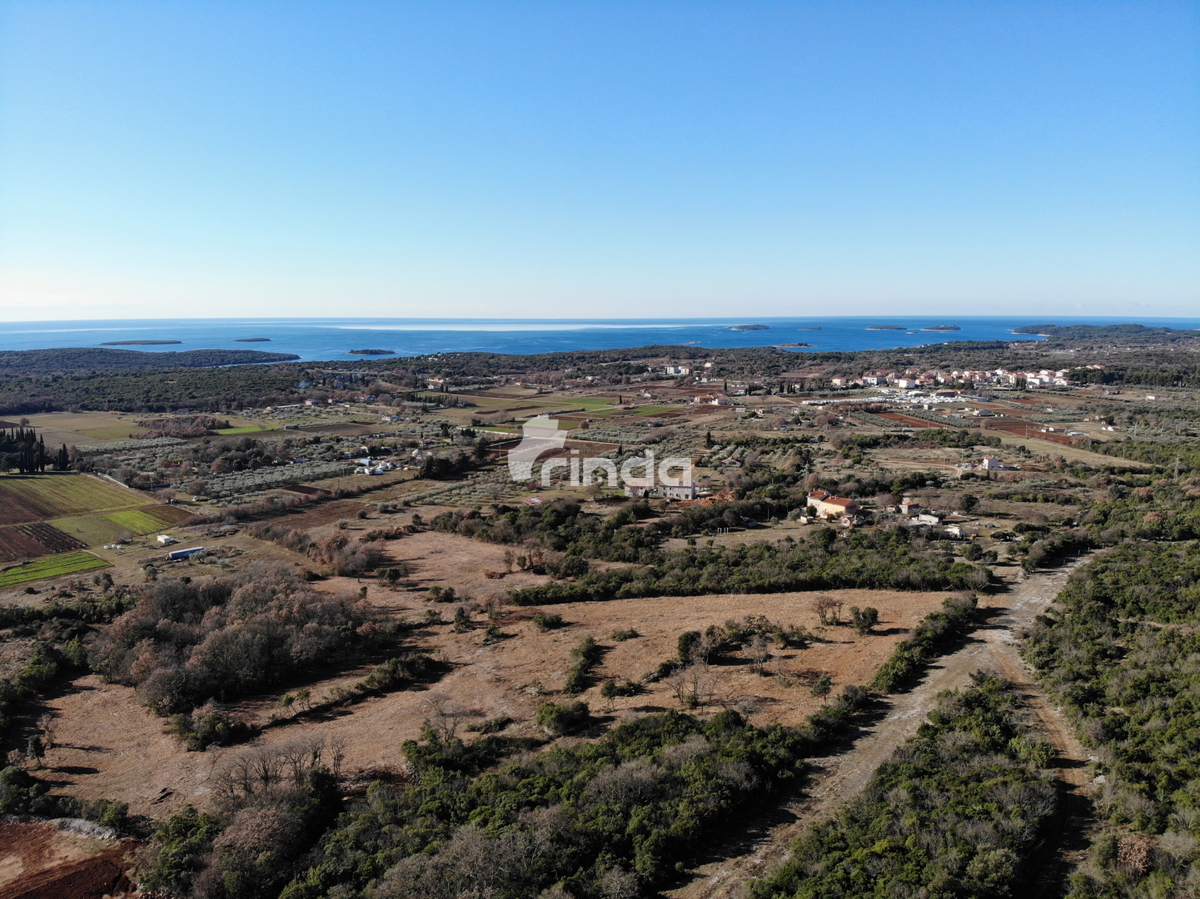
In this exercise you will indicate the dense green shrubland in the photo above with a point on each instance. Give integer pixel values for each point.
(1123, 654)
(586, 820)
(936, 633)
(891, 559)
(955, 812)
(184, 644)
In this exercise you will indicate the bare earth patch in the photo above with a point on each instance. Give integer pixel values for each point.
(38, 859)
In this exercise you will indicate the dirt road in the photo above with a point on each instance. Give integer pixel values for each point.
(839, 778)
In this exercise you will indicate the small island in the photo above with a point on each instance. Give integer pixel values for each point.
(942, 328)
(370, 352)
(253, 340)
(749, 328)
(792, 346)
(814, 328)
(887, 328)
(140, 342)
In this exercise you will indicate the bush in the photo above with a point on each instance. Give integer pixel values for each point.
(936, 633)
(548, 622)
(558, 720)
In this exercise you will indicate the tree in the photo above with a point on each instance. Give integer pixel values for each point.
(828, 608)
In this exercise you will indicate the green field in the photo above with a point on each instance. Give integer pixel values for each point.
(56, 495)
(50, 566)
(249, 429)
(93, 530)
(138, 521)
(105, 528)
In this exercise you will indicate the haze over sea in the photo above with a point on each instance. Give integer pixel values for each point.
(331, 338)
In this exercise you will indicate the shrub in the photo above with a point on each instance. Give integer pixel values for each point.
(558, 720)
(548, 622)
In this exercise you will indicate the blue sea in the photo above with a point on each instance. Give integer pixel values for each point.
(330, 338)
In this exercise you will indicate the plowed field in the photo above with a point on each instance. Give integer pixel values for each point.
(27, 541)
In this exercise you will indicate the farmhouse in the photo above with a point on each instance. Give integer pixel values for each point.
(829, 506)
(638, 488)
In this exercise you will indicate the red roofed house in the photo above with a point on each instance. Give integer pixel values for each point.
(830, 506)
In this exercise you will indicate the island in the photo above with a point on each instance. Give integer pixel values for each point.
(887, 328)
(749, 328)
(140, 342)
(792, 346)
(942, 328)
(814, 328)
(370, 352)
(253, 340)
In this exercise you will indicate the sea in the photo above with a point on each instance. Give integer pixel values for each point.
(325, 339)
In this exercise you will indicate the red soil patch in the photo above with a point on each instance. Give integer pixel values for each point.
(51, 537)
(32, 540)
(16, 544)
(1020, 428)
(912, 421)
(40, 861)
(18, 510)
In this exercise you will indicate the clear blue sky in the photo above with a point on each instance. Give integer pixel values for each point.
(586, 159)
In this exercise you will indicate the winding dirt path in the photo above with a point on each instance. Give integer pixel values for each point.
(838, 779)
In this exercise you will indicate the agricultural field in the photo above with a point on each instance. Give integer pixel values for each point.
(78, 428)
(247, 429)
(96, 529)
(50, 566)
(64, 512)
(35, 539)
(45, 496)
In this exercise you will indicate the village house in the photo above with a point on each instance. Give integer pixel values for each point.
(829, 506)
(641, 488)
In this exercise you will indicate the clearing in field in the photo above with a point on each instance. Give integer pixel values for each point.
(50, 566)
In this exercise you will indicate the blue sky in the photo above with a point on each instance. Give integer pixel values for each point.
(583, 159)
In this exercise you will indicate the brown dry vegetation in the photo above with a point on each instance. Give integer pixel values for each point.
(106, 744)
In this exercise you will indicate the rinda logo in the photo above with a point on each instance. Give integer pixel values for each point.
(539, 435)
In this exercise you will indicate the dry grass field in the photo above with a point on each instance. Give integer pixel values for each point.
(106, 744)
(82, 428)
